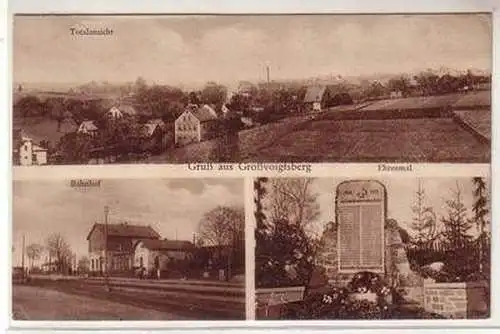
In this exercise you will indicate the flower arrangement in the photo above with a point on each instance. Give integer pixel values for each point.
(365, 297)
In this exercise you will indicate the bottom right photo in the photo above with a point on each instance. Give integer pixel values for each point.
(382, 248)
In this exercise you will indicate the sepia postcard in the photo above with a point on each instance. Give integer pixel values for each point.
(392, 248)
(177, 89)
(124, 249)
(251, 167)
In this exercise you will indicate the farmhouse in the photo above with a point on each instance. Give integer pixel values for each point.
(120, 243)
(315, 98)
(88, 127)
(153, 255)
(195, 124)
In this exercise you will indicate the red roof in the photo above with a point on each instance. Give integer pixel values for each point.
(167, 244)
(128, 231)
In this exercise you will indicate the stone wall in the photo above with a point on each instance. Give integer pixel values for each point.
(463, 300)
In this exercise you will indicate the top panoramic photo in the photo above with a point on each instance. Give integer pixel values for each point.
(176, 89)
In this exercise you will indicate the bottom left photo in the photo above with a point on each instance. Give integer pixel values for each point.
(128, 249)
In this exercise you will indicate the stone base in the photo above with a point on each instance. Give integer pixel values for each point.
(463, 300)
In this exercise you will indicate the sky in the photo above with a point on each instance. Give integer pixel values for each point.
(172, 207)
(226, 49)
(400, 198)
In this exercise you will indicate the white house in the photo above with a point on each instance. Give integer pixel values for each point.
(195, 124)
(88, 127)
(31, 154)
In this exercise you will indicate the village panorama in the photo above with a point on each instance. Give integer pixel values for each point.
(137, 122)
(287, 91)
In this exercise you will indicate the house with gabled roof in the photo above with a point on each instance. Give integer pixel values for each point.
(118, 111)
(315, 98)
(119, 240)
(195, 124)
(88, 127)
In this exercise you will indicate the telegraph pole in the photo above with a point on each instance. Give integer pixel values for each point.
(22, 256)
(106, 267)
(267, 75)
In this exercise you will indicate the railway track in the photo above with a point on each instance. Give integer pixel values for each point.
(214, 304)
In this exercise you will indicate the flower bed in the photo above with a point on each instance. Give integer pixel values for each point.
(366, 297)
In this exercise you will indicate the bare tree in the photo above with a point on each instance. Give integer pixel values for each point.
(225, 226)
(219, 225)
(33, 252)
(59, 250)
(292, 199)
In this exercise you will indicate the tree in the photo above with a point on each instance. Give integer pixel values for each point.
(213, 93)
(33, 252)
(428, 82)
(285, 257)
(228, 141)
(60, 251)
(75, 147)
(225, 226)
(219, 226)
(424, 219)
(293, 200)
(456, 223)
(28, 106)
(480, 210)
(284, 252)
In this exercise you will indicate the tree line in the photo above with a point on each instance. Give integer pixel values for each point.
(449, 238)
(59, 256)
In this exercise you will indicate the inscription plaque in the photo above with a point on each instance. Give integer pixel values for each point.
(360, 209)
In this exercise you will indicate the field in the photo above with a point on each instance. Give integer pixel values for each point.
(390, 140)
(456, 100)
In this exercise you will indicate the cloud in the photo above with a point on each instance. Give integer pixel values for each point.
(228, 48)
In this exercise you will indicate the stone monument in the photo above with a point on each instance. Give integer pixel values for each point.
(363, 239)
